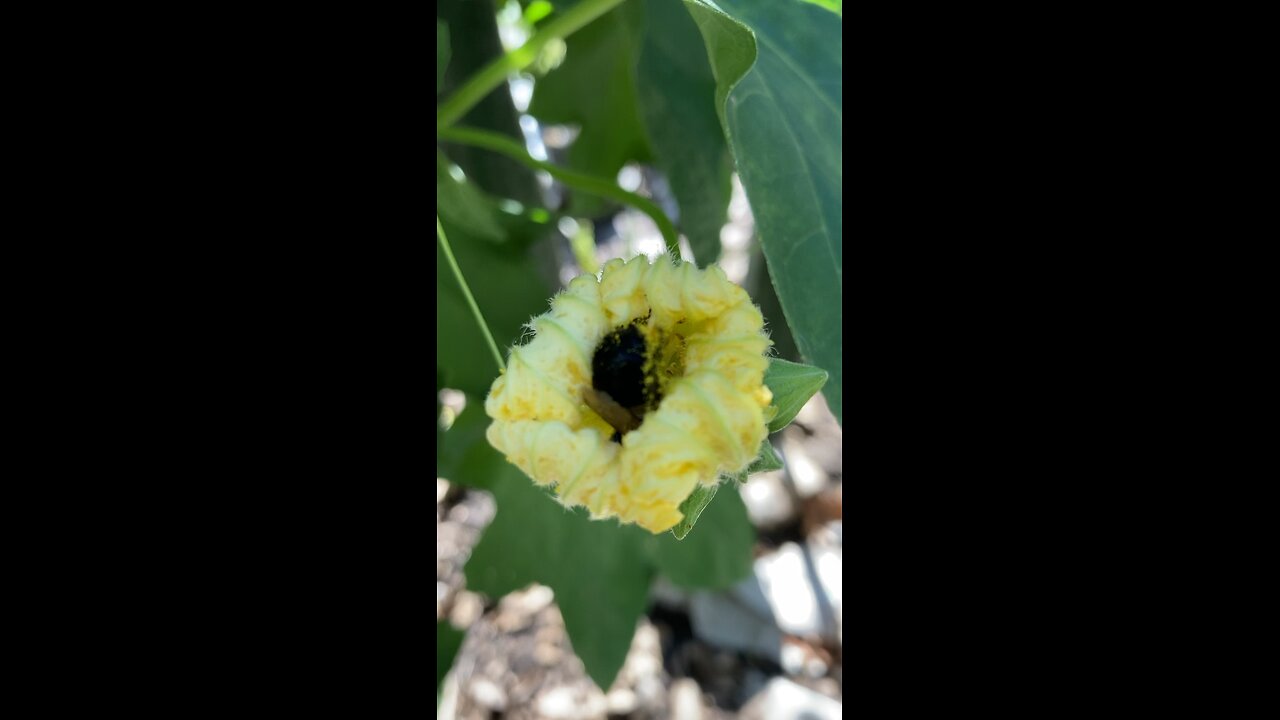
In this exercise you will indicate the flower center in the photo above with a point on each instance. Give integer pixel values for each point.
(630, 372)
(618, 367)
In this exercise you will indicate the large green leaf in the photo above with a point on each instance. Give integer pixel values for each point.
(600, 570)
(595, 89)
(677, 107)
(779, 81)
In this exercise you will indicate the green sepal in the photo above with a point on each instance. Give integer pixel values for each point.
(692, 507)
(792, 384)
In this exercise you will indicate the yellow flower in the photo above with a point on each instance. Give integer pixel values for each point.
(634, 389)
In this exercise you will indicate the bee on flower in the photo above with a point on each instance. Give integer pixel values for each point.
(635, 388)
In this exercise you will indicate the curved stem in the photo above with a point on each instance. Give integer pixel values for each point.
(475, 309)
(492, 75)
(587, 183)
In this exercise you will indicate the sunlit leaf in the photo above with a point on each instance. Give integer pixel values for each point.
(835, 6)
(779, 79)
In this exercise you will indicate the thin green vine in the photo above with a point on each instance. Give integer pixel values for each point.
(475, 309)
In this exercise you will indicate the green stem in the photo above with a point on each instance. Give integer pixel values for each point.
(492, 75)
(596, 186)
(475, 309)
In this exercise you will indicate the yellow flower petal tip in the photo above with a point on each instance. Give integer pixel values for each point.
(635, 388)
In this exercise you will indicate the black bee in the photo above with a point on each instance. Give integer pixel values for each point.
(618, 366)
(621, 393)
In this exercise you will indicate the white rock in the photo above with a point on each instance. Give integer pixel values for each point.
(467, 608)
(808, 478)
(487, 694)
(647, 638)
(784, 579)
(530, 601)
(650, 690)
(787, 584)
(768, 503)
(792, 659)
(783, 699)
(560, 702)
(621, 701)
(686, 700)
(568, 703)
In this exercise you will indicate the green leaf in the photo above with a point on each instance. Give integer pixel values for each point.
(537, 10)
(718, 554)
(792, 384)
(442, 54)
(448, 640)
(779, 72)
(692, 508)
(595, 89)
(509, 290)
(462, 203)
(835, 6)
(677, 107)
